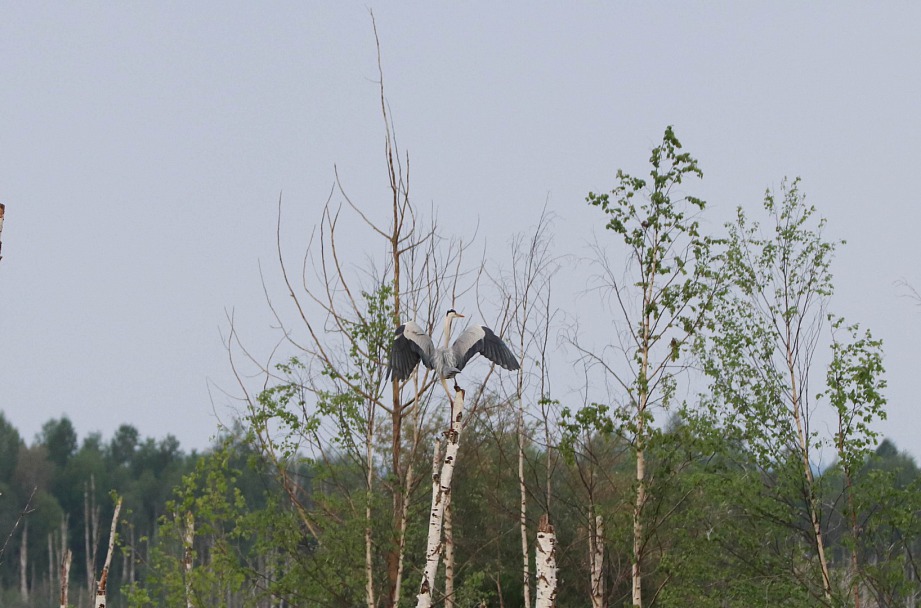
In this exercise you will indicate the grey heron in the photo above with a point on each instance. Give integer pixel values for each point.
(411, 344)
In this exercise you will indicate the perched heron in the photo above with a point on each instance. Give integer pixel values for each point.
(412, 344)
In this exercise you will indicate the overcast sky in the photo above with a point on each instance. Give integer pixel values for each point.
(143, 148)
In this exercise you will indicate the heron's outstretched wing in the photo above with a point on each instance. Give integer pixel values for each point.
(480, 339)
(410, 344)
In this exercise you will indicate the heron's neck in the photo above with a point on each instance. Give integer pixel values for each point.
(448, 321)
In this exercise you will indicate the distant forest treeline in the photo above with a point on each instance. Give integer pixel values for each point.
(242, 522)
(65, 485)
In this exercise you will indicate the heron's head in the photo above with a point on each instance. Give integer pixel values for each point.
(453, 314)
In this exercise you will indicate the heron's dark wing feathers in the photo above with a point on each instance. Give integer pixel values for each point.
(479, 339)
(410, 344)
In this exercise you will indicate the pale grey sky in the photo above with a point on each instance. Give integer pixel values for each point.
(143, 147)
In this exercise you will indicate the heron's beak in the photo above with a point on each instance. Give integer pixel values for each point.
(459, 315)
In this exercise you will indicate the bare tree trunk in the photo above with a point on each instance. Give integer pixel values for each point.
(369, 487)
(51, 564)
(407, 485)
(66, 557)
(596, 560)
(545, 564)
(101, 585)
(65, 576)
(807, 469)
(441, 487)
(133, 556)
(87, 553)
(639, 504)
(188, 555)
(449, 554)
(90, 531)
(646, 341)
(523, 511)
(24, 562)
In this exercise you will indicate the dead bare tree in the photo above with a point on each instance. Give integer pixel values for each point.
(24, 562)
(545, 563)
(65, 576)
(66, 556)
(104, 577)
(91, 513)
(661, 301)
(344, 317)
(526, 287)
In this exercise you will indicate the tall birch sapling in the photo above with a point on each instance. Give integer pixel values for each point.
(759, 358)
(661, 301)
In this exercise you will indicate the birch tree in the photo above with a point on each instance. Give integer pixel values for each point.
(660, 302)
(101, 596)
(855, 389)
(770, 324)
(443, 467)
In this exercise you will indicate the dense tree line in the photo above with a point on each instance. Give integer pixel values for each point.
(250, 549)
(56, 493)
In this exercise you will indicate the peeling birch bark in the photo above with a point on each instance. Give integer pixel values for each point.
(188, 543)
(523, 512)
(441, 488)
(65, 576)
(545, 564)
(596, 561)
(101, 585)
(449, 554)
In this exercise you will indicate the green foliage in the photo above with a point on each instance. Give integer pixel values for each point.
(855, 390)
(767, 323)
(758, 413)
(60, 439)
(666, 299)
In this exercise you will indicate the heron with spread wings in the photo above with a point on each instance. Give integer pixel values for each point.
(412, 345)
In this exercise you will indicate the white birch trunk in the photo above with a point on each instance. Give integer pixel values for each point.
(449, 554)
(596, 561)
(523, 514)
(441, 487)
(101, 585)
(65, 576)
(369, 487)
(545, 564)
(188, 555)
(24, 562)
